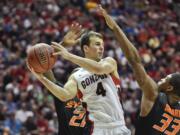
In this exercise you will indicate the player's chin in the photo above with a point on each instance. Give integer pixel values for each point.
(100, 56)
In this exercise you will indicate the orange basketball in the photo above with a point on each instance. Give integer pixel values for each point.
(40, 57)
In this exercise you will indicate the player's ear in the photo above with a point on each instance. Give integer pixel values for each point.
(169, 88)
(85, 47)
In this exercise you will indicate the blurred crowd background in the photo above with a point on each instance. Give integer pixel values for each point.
(26, 106)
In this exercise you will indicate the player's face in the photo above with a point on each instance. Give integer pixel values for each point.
(95, 49)
(164, 84)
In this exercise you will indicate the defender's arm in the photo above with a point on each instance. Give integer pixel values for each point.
(146, 83)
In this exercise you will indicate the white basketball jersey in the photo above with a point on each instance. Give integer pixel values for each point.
(100, 94)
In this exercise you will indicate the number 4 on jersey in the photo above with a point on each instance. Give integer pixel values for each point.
(100, 89)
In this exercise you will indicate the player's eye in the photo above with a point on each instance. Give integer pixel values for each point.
(98, 44)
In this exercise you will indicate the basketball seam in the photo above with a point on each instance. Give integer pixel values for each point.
(48, 58)
(38, 58)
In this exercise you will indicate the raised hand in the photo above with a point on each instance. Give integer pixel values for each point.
(73, 35)
(109, 21)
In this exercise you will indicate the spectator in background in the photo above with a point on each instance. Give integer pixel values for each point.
(10, 103)
(11, 124)
(23, 113)
(26, 22)
(30, 125)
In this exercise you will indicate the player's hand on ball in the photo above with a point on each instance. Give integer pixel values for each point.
(73, 35)
(109, 21)
(60, 50)
(37, 75)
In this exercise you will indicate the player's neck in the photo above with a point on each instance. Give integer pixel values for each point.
(92, 58)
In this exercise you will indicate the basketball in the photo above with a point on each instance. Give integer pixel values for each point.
(40, 57)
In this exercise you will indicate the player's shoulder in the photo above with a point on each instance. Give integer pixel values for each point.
(74, 73)
(75, 70)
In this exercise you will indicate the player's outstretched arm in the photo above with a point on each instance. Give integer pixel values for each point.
(68, 92)
(147, 84)
(128, 49)
(108, 65)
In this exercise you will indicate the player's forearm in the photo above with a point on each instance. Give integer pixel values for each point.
(127, 47)
(49, 75)
(56, 90)
(148, 86)
(86, 63)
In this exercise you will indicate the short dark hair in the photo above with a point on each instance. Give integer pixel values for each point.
(175, 82)
(85, 39)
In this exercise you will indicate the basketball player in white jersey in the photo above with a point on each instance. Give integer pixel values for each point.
(96, 82)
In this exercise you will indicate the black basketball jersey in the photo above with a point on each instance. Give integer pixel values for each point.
(163, 119)
(72, 118)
